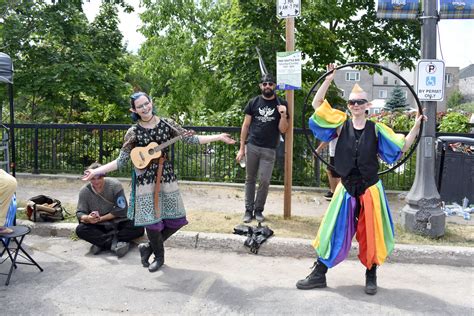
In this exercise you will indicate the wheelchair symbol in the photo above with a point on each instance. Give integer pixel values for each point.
(431, 81)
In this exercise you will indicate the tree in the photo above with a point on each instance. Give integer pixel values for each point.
(397, 100)
(62, 62)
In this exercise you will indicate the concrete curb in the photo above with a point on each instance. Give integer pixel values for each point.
(277, 246)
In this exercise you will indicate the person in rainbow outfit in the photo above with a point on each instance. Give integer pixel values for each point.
(359, 206)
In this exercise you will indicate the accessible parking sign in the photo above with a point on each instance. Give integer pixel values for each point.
(430, 80)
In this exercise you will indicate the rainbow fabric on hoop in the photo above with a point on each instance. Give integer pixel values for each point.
(374, 226)
(325, 121)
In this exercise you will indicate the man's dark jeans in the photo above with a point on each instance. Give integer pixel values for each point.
(102, 235)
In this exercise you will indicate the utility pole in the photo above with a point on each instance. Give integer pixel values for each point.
(423, 214)
(290, 98)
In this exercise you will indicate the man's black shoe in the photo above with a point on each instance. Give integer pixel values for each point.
(247, 217)
(121, 249)
(95, 250)
(371, 280)
(316, 279)
(328, 196)
(259, 216)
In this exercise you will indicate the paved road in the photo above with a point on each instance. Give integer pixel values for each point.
(198, 282)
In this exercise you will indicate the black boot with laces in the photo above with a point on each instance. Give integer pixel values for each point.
(316, 279)
(371, 280)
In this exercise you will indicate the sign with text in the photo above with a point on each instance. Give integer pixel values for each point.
(289, 70)
(430, 80)
(288, 8)
(397, 9)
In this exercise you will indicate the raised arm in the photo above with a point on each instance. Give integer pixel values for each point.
(205, 139)
(321, 93)
(91, 173)
(410, 138)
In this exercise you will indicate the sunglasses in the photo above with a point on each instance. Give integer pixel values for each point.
(357, 101)
(270, 84)
(141, 106)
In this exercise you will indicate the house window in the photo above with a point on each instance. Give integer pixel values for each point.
(385, 80)
(352, 76)
(448, 78)
(382, 94)
(405, 93)
(376, 111)
(395, 82)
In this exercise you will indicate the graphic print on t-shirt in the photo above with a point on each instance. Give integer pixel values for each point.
(265, 114)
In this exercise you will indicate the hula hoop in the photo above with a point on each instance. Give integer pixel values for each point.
(420, 111)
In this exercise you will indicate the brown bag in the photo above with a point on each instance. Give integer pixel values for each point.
(43, 208)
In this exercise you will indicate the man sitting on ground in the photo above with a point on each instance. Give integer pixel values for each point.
(102, 215)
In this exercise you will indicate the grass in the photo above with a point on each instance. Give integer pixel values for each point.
(299, 227)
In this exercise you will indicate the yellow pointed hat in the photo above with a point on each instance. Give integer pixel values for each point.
(357, 89)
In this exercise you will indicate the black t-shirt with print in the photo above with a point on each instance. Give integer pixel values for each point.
(263, 131)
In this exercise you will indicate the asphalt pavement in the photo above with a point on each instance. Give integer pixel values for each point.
(207, 282)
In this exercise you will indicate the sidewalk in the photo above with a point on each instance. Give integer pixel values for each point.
(229, 198)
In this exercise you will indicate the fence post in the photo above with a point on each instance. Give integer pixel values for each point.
(101, 144)
(35, 149)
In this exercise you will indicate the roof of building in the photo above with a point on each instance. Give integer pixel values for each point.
(467, 72)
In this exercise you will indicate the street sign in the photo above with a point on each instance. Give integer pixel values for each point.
(430, 80)
(289, 70)
(288, 8)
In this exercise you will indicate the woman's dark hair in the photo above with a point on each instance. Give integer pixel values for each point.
(135, 117)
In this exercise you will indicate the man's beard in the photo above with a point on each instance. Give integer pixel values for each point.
(268, 93)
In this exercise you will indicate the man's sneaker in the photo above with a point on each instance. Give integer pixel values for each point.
(247, 217)
(121, 249)
(95, 250)
(328, 196)
(259, 216)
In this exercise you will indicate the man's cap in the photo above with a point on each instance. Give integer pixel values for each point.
(267, 78)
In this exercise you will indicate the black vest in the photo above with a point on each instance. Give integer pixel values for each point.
(357, 154)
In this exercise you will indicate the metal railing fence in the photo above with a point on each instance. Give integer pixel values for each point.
(69, 148)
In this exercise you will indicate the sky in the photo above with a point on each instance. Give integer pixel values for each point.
(455, 44)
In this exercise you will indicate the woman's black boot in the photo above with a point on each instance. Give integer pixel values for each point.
(156, 242)
(316, 279)
(371, 280)
(145, 253)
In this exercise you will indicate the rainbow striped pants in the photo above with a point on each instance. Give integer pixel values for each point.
(373, 228)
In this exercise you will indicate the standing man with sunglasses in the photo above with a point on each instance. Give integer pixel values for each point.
(102, 215)
(266, 117)
(359, 206)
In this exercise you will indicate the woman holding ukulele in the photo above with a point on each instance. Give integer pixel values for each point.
(155, 200)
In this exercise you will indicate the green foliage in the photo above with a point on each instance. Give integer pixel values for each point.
(61, 61)
(455, 99)
(454, 122)
(398, 121)
(397, 100)
(465, 107)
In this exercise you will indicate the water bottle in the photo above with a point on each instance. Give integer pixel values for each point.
(467, 216)
(242, 162)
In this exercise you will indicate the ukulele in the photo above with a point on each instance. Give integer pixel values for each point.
(141, 156)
